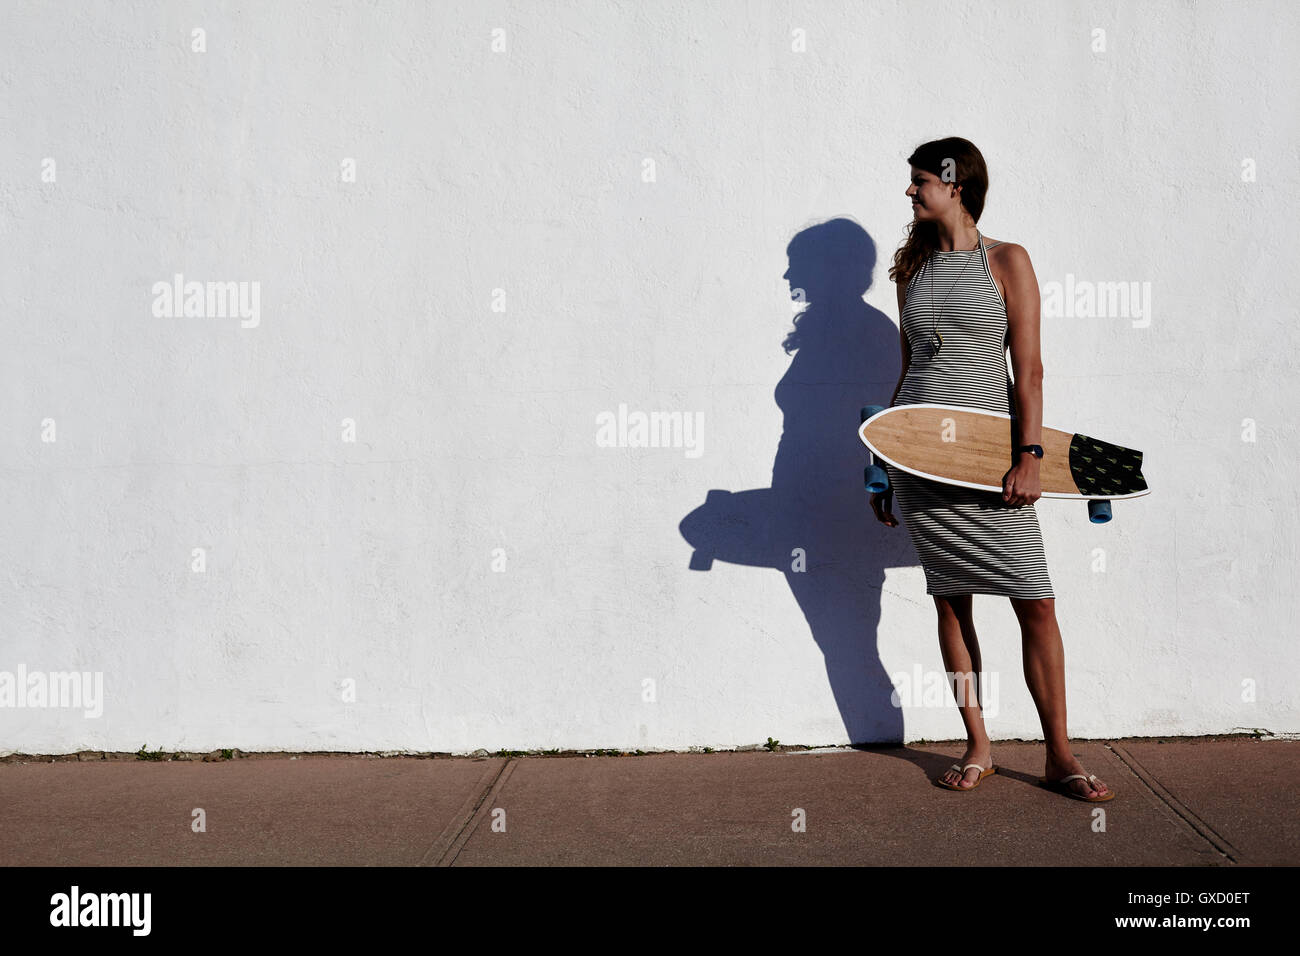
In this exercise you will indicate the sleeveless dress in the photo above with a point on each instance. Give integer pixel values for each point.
(968, 541)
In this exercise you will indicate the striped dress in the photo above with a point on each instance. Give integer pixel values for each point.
(968, 541)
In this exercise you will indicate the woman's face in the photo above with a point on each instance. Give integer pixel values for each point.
(931, 197)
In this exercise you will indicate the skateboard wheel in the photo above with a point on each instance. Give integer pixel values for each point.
(701, 561)
(876, 480)
(869, 410)
(1098, 511)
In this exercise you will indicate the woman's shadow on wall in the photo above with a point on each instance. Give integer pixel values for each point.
(814, 524)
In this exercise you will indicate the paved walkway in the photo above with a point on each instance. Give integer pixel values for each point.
(1183, 801)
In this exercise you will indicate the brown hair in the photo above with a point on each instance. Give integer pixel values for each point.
(968, 171)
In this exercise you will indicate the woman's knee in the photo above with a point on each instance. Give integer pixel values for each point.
(1034, 610)
(953, 606)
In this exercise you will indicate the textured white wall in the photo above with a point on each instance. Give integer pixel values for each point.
(503, 270)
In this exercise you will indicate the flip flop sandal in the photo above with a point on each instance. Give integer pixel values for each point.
(962, 770)
(1062, 786)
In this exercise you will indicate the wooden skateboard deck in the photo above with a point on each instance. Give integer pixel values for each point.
(971, 448)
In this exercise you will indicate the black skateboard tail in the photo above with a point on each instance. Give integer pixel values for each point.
(1105, 470)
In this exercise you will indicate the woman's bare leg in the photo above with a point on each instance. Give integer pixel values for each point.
(961, 657)
(1044, 661)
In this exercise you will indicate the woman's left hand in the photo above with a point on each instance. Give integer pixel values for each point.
(1020, 485)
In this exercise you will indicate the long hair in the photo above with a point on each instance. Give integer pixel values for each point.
(954, 160)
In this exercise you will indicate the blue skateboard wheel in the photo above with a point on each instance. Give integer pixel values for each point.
(876, 480)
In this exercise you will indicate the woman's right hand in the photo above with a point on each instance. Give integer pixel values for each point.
(881, 502)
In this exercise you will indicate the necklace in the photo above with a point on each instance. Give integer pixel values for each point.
(936, 340)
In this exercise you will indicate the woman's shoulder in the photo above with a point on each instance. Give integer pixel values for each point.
(1004, 250)
(1007, 260)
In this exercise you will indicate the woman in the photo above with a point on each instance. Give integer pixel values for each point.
(961, 302)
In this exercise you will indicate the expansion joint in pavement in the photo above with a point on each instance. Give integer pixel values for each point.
(456, 834)
(1181, 811)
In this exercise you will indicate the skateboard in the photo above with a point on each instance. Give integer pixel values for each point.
(971, 448)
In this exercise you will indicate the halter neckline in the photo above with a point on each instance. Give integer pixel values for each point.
(954, 252)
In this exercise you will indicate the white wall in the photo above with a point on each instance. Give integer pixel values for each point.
(486, 573)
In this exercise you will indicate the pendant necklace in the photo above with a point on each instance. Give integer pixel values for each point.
(936, 340)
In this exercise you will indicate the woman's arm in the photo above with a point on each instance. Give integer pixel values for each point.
(1021, 485)
(902, 342)
(882, 502)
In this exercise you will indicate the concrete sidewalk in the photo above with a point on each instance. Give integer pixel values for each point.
(1182, 801)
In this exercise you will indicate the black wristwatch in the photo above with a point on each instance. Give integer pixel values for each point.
(1035, 450)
